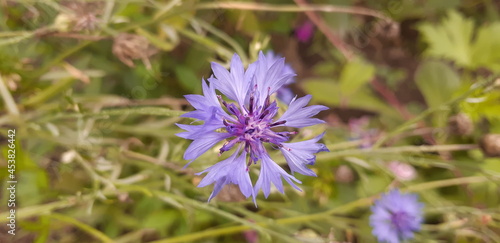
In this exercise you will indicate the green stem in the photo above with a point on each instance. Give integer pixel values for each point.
(395, 150)
(105, 114)
(445, 183)
(219, 49)
(39, 209)
(84, 227)
(49, 92)
(204, 234)
(16, 39)
(14, 33)
(237, 48)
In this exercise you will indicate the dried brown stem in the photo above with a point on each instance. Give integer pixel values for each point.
(334, 39)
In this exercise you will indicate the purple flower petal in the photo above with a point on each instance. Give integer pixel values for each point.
(200, 145)
(300, 154)
(232, 84)
(231, 170)
(299, 116)
(270, 76)
(270, 172)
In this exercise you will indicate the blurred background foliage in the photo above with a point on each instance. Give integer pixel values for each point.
(93, 89)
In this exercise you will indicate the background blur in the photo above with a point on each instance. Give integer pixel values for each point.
(93, 89)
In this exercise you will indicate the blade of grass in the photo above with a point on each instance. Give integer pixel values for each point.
(222, 35)
(211, 44)
(36, 210)
(105, 114)
(7, 98)
(49, 92)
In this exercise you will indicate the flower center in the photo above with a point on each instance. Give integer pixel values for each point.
(252, 126)
(401, 220)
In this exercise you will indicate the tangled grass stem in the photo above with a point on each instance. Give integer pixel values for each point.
(344, 209)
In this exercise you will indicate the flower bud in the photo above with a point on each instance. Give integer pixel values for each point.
(402, 171)
(490, 144)
(344, 174)
(461, 124)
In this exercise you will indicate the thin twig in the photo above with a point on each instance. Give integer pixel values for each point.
(77, 36)
(166, 164)
(391, 98)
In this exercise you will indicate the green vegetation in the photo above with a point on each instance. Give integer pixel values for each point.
(93, 90)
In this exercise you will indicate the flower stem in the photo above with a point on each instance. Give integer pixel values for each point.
(27, 212)
(84, 227)
(395, 150)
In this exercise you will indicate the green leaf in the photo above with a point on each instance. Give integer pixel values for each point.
(355, 74)
(437, 81)
(491, 164)
(450, 39)
(187, 78)
(483, 106)
(160, 219)
(486, 48)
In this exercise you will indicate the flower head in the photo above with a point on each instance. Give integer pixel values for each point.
(396, 217)
(247, 124)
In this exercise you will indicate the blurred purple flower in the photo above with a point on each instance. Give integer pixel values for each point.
(247, 124)
(285, 94)
(305, 31)
(359, 131)
(396, 217)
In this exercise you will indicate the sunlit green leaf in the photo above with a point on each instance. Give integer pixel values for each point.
(450, 39)
(437, 81)
(355, 74)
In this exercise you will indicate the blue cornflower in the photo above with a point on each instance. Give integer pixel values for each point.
(247, 125)
(285, 94)
(396, 217)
